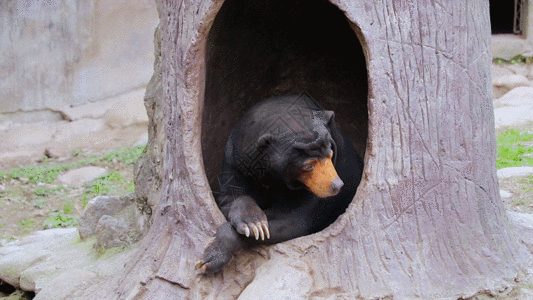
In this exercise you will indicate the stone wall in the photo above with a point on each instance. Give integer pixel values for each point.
(66, 53)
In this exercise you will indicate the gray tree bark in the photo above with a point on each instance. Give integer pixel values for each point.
(427, 220)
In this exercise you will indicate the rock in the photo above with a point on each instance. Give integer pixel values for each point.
(43, 236)
(24, 135)
(514, 171)
(77, 128)
(512, 115)
(80, 176)
(516, 97)
(112, 232)
(51, 153)
(4, 125)
(94, 110)
(12, 264)
(523, 226)
(56, 265)
(505, 194)
(508, 82)
(6, 249)
(514, 108)
(65, 284)
(128, 110)
(498, 72)
(98, 207)
(518, 69)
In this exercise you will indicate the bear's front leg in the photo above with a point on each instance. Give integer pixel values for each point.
(220, 252)
(247, 217)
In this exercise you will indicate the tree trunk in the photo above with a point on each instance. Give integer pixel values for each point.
(427, 220)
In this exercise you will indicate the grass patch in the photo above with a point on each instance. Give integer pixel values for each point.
(112, 183)
(527, 183)
(36, 174)
(32, 199)
(48, 171)
(27, 223)
(57, 219)
(512, 148)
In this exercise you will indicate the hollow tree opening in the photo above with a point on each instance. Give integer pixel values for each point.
(263, 48)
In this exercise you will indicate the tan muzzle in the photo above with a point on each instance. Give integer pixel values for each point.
(323, 180)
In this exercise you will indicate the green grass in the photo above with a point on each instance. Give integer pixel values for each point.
(527, 183)
(27, 223)
(57, 219)
(36, 185)
(48, 171)
(112, 183)
(43, 191)
(511, 149)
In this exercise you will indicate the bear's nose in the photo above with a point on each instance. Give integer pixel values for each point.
(336, 186)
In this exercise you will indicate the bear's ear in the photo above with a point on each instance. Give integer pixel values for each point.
(265, 140)
(328, 116)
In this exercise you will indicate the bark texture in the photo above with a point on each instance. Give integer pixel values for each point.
(427, 220)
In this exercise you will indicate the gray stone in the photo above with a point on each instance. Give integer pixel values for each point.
(112, 232)
(505, 194)
(512, 115)
(12, 264)
(499, 71)
(518, 68)
(5, 249)
(77, 128)
(98, 207)
(55, 265)
(80, 176)
(128, 110)
(50, 236)
(514, 171)
(522, 224)
(514, 108)
(516, 97)
(24, 135)
(94, 110)
(65, 284)
(51, 153)
(511, 81)
(507, 46)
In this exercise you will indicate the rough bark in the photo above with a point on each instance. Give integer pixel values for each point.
(427, 220)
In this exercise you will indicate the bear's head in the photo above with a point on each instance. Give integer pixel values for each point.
(305, 158)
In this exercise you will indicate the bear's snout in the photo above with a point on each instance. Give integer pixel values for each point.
(323, 180)
(336, 186)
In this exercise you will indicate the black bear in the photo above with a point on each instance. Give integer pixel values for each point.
(288, 171)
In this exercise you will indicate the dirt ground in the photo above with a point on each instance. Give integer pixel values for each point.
(27, 207)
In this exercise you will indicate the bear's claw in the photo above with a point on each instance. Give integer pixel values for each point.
(259, 229)
(201, 265)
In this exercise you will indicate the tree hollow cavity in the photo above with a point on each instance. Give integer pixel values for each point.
(262, 48)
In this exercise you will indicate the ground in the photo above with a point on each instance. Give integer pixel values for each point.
(32, 199)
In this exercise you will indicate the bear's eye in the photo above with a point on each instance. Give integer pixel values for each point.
(308, 167)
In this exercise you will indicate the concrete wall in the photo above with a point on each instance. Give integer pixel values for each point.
(57, 53)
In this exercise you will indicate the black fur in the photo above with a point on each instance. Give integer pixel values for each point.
(259, 183)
